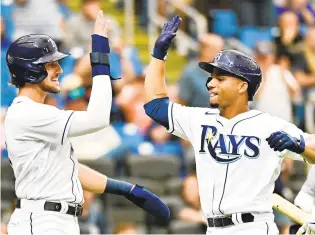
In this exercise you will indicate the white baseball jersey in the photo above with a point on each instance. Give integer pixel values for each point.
(236, 168)
(309, 185)
(306, 197)
(40, 152)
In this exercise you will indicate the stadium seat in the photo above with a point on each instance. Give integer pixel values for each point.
(102, 165)
(184, 227)
(173, 186)
(119, 215)
(174, 203)
(251, 35)
(158, 168)
(225, 23)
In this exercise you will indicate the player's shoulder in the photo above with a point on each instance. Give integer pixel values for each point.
(275, 122)
(197, 110)
(24, 109)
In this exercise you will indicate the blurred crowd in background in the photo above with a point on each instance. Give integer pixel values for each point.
(279, 34)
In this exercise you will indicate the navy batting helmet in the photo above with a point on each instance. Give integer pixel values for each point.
(238, 64)
(27, 55)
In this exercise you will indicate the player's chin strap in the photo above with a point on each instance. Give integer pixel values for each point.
(139, 196)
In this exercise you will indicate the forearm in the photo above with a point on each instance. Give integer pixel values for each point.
(96, 182)
(98, 111)
(92, 180)
(155, 85)
(97, 115)
(309, 153)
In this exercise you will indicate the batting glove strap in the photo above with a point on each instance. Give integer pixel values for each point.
(148, 201)
(159, 54)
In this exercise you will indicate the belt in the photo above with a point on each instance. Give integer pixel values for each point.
(227, 220)
(56, 206)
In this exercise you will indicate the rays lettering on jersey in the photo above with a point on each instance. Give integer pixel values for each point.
(228, 148)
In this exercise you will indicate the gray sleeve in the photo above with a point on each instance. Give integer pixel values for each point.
(309, 185)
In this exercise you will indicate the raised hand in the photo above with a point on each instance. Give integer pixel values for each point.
(101, 27)
(164, 41)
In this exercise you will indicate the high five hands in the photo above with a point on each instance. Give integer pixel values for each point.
(164, 41)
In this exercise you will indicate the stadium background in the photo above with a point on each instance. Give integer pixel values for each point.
(280, 34)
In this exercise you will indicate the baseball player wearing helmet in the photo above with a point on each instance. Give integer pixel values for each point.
(48, 178)
(238, 151)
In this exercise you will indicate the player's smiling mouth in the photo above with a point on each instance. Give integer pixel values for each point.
(213, 94)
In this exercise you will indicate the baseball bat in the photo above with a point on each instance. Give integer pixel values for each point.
(287, 208)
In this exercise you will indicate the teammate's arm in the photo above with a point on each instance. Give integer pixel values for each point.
(98, 112)
(155, 85)
(96, 182)
(309, 151)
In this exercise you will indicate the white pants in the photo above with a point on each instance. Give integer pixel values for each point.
(42, 223)
(252, 228)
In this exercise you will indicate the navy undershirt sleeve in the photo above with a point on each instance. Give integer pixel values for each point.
(157, 109)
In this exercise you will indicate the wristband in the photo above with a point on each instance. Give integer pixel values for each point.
(117, 187)
(159, 54)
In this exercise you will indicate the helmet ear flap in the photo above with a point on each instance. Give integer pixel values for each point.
(20, 75)
(36, 76)
(208, 80)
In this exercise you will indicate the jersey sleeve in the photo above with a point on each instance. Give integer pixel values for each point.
(180, 123)
(48, 124)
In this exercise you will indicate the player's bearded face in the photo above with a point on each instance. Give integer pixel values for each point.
(223, 89)
(50, 83)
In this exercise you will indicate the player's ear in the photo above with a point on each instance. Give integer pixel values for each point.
(243, 87)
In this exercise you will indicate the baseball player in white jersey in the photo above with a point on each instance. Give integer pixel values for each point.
(306, 201)
(238, 151)
(48, 177)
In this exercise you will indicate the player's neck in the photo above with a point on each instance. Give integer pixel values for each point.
(33, 92)
(233, 110)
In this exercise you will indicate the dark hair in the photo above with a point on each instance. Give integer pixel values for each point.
(18, 83)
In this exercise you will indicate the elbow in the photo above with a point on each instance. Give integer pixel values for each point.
(157, 109)
(100, 122)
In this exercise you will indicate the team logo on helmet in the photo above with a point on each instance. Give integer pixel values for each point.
(217, 57)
